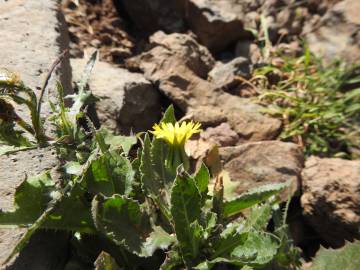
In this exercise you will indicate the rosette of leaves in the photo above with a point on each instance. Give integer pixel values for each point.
(145, 212)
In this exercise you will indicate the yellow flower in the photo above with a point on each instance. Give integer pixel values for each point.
(9, 78)
(176, 134)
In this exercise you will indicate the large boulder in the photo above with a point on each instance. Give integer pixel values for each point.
(217, 23)
(331, 198)
(180, 66)
(258, 163)
(33, 35)
(336, 35)
(128, 102)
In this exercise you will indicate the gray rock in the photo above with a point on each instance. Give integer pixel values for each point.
(34, 34)
(217, 23)
(337, 36)
(331, 198)
(128, 102)
(226, 75)
(179, 65)
(258, 163)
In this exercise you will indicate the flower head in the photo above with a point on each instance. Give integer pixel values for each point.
(176, 134)
(9, 78)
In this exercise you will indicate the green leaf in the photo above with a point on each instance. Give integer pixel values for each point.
(105, 262)
(185, 210)
(346, 257)
(208, 265)
(73, 168)
(160, 152)
(118, 141)
(158, 239)
(9, 136)
(259, 217)
(72, 214)
(109, 174)
(172, 260)
(169, 115)
(229, 239)
(151, 182)
(31, 199)
(123, 221)
(258, 250)
(202, 178)
(34, 196)
(252, 197)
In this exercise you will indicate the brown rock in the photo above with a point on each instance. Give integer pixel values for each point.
(258, 163)
(201, 151)
(338, 35)
(217, 23)
(128, 102)
(331, 198)
(221, 135)
(179, 66)
(227, 75)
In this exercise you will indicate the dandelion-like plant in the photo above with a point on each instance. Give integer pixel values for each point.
(176, 135)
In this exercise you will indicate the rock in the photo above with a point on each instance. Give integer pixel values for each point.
(201, 151)
(35, 36)
(221, 135)
(217, 23)
(179, 66)
(128, 102)
(249, 50)
(153, 15)
(331, 198)
(258, 163)
(227, 75)
(337, 36)
(190, 54)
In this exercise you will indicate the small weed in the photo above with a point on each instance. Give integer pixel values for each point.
(319, 105)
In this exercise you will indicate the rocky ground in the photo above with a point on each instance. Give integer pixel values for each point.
(198, 55)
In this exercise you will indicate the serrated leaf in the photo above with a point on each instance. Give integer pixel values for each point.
(150, 181)
(258, 250)
(259, 217)
(252, 197)
(202, 178)
(123, 221)
(208, 265)
(185, 210)
(109, 174)
(118, 141)
(105, 262)
(160, 151)
(346, 258)
(172, 260)
(229, 239)
(158, 239)
(31, 199)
